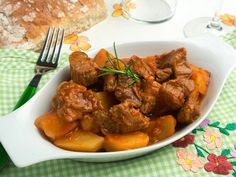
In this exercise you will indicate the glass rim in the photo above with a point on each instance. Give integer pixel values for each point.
(166, 18)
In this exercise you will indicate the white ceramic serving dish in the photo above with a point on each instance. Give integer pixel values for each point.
(26, 146)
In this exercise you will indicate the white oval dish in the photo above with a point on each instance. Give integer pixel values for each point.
(26, 146)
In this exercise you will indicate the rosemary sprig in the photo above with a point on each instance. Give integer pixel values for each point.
(114, 47)
(115, 68)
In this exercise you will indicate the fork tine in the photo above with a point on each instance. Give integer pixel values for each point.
(55, 45)
(59, 49)
(43, 66)
(44, 45)
(50, 45)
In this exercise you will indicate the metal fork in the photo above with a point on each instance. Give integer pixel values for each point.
(47, 61)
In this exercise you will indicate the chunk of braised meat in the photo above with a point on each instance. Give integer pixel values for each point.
(163, 75)
(140, 67)
(167, 59)
(151, 86)
(181, 66)
(182, 69)
(190, 110)
(151, 62)
(187, 85)
(149, 95)
(72, 101)
(128, 117)
(172, 95)
(105, 122)
(176, 61)
(148, 103)
(127, 90)
(122, 118)
(110, 82)
(83, 70)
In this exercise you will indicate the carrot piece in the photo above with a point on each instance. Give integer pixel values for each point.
(201, 79)
(101, 59)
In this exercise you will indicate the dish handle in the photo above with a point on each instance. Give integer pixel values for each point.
(217, 46)
(4, 157)
(7, 127)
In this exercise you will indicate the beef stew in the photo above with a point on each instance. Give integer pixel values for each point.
(141, 101)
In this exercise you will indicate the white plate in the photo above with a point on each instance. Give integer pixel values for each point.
(26, 146)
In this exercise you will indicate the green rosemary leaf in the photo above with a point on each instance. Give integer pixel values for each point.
(103, 74)
(115, 67)
(131, 83)
(116, 56)
(112, 71)
(126, 65)
(114, 47)
(110, 60)
(136, 77)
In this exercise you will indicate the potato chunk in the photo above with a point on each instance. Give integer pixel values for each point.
(201, 79)
(107, 99)
(120, 142)
(89, 124)
(80, 140)
(161, 128)
(53, 126)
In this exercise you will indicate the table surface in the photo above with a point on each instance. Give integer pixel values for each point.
(118, 29)
(162, 162)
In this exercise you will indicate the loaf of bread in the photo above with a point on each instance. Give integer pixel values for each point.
(24, 23)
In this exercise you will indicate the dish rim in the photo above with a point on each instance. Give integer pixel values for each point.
(89, 155)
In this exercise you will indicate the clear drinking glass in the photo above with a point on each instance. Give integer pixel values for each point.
(205, 24)
(149, 11)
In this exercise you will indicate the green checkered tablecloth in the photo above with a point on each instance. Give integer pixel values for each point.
(231, 38)
(16, 69)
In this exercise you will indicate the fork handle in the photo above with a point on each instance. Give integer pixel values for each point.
(4, 158)
(27, 94)
(29, 91)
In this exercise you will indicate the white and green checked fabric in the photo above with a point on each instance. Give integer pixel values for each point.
(16, 69)
(231, 38)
